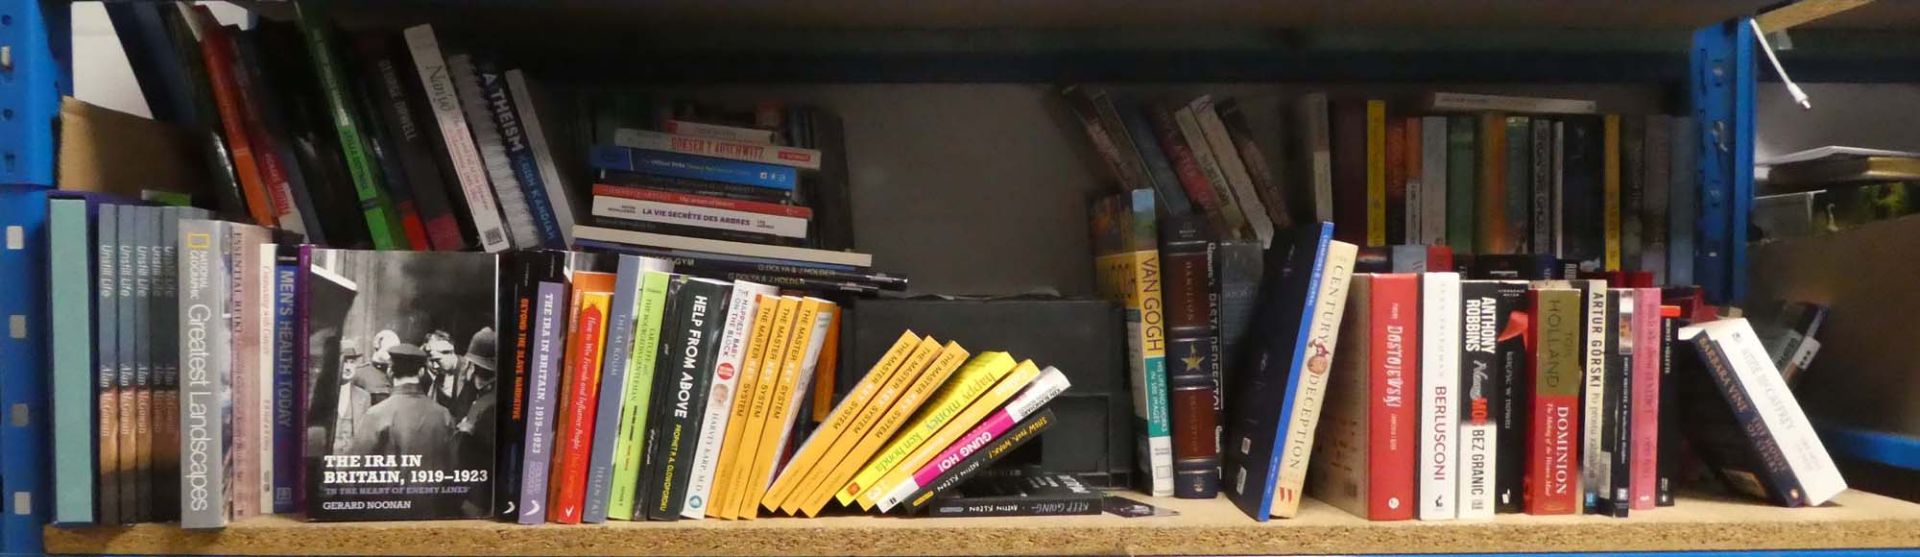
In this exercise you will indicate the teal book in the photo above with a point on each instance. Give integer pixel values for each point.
(1463, 158)
(69, 280)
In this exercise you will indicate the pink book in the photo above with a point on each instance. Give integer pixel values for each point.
(1028, 401)
(1645, 426)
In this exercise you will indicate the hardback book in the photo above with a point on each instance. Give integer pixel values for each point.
(425, 450)
(729, 467)
(995, 447)
(1003, 424)
(547, 341)
(1376, 173)
(590, 294)
(1473, 102)
(521, 227)
(1312, 159)
(1644, 426)
(692, 337)
(880, 386)
(1038, 494)
(1772, 451)
(1433, 181)
(1186, 168)
(1463, 165)
(1491, 235)
(898, 463)
(482, 211)
(923, 389)
(1365, 459)
(1593, 392)
(1125, 261)
(1256, 429)
(722, 393)
(749, 473)
(1234, 213)
(1553, 452)
(107, 361)
(1519, 181)
(1193, 342)
(1616, 447)
(636, 399)
(1440, 374)
(374, 202)
(1310, 394)
(1227, 156)
(1483, 393)
(622, 314)
(1505, 303)
(523, 165)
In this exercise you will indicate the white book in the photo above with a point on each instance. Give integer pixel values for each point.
(723, 247)
(481, 209)
(1410, 215)
(1819, 479)
(717, 131)
(1232, 168)
(507, 193)
(526, 100)
(1322, 338)
(1433, 181)
(263, 382)
(805, 159)
(1439, 395)
(1230, 209)
(713, 426)
(1469, 102)
(608, 206)
(1312, 110)
(1594, 466)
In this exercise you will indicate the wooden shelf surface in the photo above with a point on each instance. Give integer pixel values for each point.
(1704, 522)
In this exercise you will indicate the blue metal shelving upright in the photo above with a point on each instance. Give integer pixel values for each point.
(1721, 78)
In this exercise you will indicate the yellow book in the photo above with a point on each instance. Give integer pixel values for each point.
(1002, 391)
(1610, 189)
(884, 375)
(1490, 201)
(1376, 173)
(968, 384)
(719, 503)
(923, 388)
(779, 408)
(778, 337)
(803, 482)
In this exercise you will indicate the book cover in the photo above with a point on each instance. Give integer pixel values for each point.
(874, 395)
(727, 470)
(1490, 204)
(1440, 373)
(1508, 402)
(815, 495)
(411, 142)
(1227, 157)
(1553, 454)
(747, 460)
(776, 420)
(622, 313)
(1256, 429)
(1127, 269)
(204, 378)
(1434, 171)
(1044, 387)
(1482, 397)
(1519, 181)
(1615, 441)
(1610, 200)
(1773, 421)
(592, 293)
(366, 179)
(722, 394)
(699, 319)
(1313, 158)
(1269, 191)
(1394, 169)
(991, 451)
(1186, 168)
(1040, 494)
(1463, 165)
(1644, 425)
(462, 155)
(1009, 381)
(1235, 215)
(1193, 343)
(1323, 338)
(547, 331)
(1541, 165)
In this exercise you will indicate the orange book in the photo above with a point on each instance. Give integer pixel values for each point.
(720, 503)
(876, 390)
(1490, 207)
(778, 339)
(1376, 173)
(1610, 190)
(829, 367)
(226, 98)
(770, 407)
(567, 479)
(922, 389)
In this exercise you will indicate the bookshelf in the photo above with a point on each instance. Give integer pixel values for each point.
(1702, 522)
(906, 65)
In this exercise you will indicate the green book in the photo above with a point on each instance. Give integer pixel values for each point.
(353, 146)
(1463, 159)
(70, 290)
(1519, 200)
(629, 452)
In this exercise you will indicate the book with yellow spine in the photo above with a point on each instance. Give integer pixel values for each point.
(922, 389)
(1377, 173)
(1610, 189)
(973, 380)
(877, 389)
(779, 336)
(720, 504)
(780, 408)
(1022, 374)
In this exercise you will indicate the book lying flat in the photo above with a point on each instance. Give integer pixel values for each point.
(724, 247)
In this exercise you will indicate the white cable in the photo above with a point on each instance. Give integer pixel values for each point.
(1793, 89)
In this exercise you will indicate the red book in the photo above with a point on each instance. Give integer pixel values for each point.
(1349, 145)
(677, 198)
(1644, 428)
(410, 223)
(226, 97)
(273, 172)
(1395, 375)
(567, 480)
(1397, 182)
(1553, 451)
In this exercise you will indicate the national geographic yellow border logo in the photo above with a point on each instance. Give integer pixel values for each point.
(199, 240)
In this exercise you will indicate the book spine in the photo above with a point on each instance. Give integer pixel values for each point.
(1772, 461)
(1439, 395)
(399, 188)
(1159, 169)
(774, 177)
(613, 382)
(544, 379)
(696, 341)
(1192, 180)
(1134, 165)
(513, 313)
(68, 278)
(1394, 158)
(1239, 273)
(585, 338)
(1552, 475)
(1593, 358)
(125, 392)
(1557, 184)
(1480, 376)
(1187, 266)
(1267, 191)
(107, 363)
(804, 159)
(741, 308)
(1633, 188)
(1512, 398)
(1232, 213)
(1540, 239)
(1490, 203)
(203, 379)
(1519, 180)
(716, 131)
(286, 437)
(1028, 505)
(991, 452)
(526, 104)
(636, 404)
(642, 193)
(1668, 450)
(699, 216)
(1410, 159)
(1610, 192)
(1684, 194)
(1376, 174)
(1473, 102)
(273, 169)
(147, 223)
(492, 150)
(985, 382)
(412, 146)
(218, 61)
(789, 429)
(244, 307)
(1310, 393)
(1317, 158)
(366, 181)
(1644, 427)
(1463, 164)
(1805, 455)
(526, 170)
(688, 231)
(1433, 181)
(1391, 413)
(1104, 142)
(461, 151)
(1616, 443)
(1657, 168)
(702, 188)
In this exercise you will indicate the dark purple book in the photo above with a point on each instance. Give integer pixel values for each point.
(288, 369)
(547, 331)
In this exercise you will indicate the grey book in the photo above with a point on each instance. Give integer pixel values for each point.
(107, 366)
(147, 222)
(203, 374)
(125, 340)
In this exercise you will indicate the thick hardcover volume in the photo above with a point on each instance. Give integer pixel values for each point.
(461, 151)
(1271, 197)
(1365, 459)
(1667, 454)
(1794, 466)
(1508, 401)
(1644, 426)
(580, 387)
(1463, 165)
(69, 250)
(643, 355)
(1439, 396)
(366, 180)
(204, 375)
(748, 476)
(1193, 345)
(878, 387)
(741, 308)
(543, 380)
(1615, 443)
(1593, 372)
(1232, 212)
(413, 144)
(1482, 395)
(492, 151)
(1541, 173)
(922, 390)
(724, 493)
(988, 452)
(1610, 172)
(1553, 455)
(1022, 495)
(621, 316)
(1227, 157)
(1490, 204)
(804, 159)
(519, 154)
(1519, 195)
(1031, 401)
(785, 390)
(1127, 266)
(774, 177)
(1394, 159)
(701, 319)
(1323, 338)
(1153, 158)
(1185, 167)
(107, 362)
(1008, 381)
(214, 50)
(1257, 427)
(1433, 182)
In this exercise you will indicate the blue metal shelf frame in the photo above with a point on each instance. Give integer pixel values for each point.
(1721, 83)
(35, 71)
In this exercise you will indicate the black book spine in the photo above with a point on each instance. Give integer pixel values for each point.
(1041, 505)
(404, 219)
(697, 187)
(1016, 436)
(1581, 189)
(1187, 268)
(408, 140)
(520, 276)
(310, 130)
(1512, 398)
(701, 319)
(1667, 456)
(1616, 497)
(1767, 464)
(1292, 277)
(672, 318)
(1238, 272)
(1481, 392)
(695, 231)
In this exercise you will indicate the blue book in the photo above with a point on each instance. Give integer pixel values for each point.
(69, 261)
(1165, 183)
(613, 381)
(526, 169)
(286, 380)
(157, 67)
(625, 159)
(1256, 426)
(548, 332)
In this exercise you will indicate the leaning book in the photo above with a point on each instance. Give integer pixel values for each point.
(400, 423)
